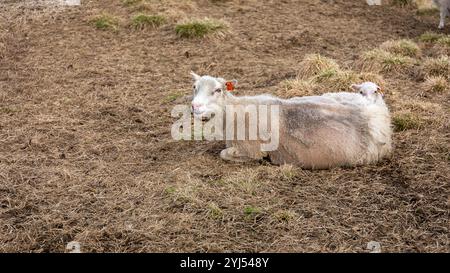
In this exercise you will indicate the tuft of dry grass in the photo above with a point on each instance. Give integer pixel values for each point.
(372, 77)
(320, 74)
(402, 3)
(285, 215)
(435, 84)
(251, 210)
(444, 41)
(315, 64)
(405, 121)
(142, 21)
(128, 3)
(200, 28)
(430, 37)
(220, 1)
(382, 61)
(288, 171)
(174, 10)
(297, 88)
(426, 7)
(105, 22)
(427, 11)
(439, 66)
(2, 49)
(337, 80)
(401, 47)
(214, 210)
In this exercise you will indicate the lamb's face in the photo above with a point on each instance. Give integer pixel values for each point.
(369, 90)
(209, 96)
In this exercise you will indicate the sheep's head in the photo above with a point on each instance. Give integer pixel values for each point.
(209, 95)
(368, 89)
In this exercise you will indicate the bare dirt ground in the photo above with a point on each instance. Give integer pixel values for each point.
(86, 153)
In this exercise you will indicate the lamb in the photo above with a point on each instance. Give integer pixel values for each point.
(444, 8)
(370, 91)
(315, 132)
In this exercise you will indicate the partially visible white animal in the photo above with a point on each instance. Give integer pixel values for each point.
(444, 9)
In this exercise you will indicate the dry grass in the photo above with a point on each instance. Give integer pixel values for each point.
(383, 61)
(132, 2)
(444, 41)
(426, 7)
(439, 66)
(339, 80)
(402, 3)
(435, 84)
(402, 47)
(318, 75)
(297, 88)
(142, 21)
(406, 121)
(315, 64)
(86, 153)
(2, 45)
(372, 77)
(174, 10)
(430, 37)
(200, 28)
(105, 22)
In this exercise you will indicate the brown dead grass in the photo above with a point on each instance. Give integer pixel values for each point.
(402, 47)
(439, 66)
(86, 153)
(382, 61)
(436, 84)
(316, 64)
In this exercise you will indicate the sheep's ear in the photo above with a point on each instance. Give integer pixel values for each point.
(195, 76)
(355, 87)
(231, 85)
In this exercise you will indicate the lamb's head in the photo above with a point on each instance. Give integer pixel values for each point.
(369, 90)
(209, 95)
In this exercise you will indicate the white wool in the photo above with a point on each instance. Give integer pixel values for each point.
(444, 10)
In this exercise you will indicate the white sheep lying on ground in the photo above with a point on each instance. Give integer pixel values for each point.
(444, 8)
(315, 132)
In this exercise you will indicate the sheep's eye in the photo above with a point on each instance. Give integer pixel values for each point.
(193, 87)
(218, 90)
(361, 92)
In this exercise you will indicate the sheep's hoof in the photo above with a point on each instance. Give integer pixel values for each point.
(232, 154)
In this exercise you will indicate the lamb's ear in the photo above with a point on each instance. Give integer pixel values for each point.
(355, 87)
(195, 76)
(380, 91)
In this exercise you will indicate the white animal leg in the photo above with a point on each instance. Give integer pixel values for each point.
(443, 15)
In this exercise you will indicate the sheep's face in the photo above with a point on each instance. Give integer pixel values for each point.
(209, 96)
(369, 90)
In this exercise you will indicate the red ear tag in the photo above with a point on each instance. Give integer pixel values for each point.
(230, 86)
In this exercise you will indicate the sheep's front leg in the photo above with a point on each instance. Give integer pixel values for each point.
(233, 154)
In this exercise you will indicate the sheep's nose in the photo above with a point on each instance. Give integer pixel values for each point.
(196, 106)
